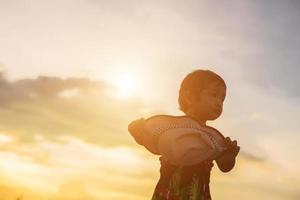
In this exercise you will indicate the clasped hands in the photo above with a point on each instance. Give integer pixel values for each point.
(231, 148)
(226, 159)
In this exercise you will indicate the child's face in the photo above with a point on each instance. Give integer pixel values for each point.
(209, 104)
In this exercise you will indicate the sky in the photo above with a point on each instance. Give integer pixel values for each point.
(74, 74)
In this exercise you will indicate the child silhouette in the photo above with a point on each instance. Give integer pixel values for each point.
(186, 145)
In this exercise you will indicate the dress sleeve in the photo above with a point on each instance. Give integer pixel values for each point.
(143, 137)
(182, 147)
(136, 129)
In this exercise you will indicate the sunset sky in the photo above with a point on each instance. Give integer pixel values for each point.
(74, 73)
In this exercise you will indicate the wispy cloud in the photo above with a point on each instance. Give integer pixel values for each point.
(40, 106)
(95, 168)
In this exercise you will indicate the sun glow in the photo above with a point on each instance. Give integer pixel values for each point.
(126, 85)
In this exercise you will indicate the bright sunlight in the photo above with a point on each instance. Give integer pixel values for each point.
(126, 85)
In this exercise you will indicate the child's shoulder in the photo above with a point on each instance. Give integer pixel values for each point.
(165, 122)
(165, 118)
(169, 121)
(216, 131)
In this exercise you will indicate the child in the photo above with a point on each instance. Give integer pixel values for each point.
(186, 145)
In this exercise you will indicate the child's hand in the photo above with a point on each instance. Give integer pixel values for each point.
(227, 159)
(232, 149)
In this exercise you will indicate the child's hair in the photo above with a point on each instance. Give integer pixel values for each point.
(195, 82)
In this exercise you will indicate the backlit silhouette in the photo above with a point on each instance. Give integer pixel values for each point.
(186, 145)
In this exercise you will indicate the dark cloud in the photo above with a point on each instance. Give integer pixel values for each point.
(32, 107)
(8, 92)
(45, 86)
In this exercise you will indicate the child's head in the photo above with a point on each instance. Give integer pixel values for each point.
(201, 94)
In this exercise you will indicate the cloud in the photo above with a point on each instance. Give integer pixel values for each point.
(250, 157)
(47, 87)
(51, 140)
(71, 164)
(98, 172)
(52, 106)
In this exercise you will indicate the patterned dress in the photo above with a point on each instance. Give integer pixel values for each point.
(183, 182)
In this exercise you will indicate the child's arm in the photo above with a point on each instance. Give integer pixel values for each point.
(136, 129)
(149, 140)
(227, 160)
(179, 145)
(185, 148)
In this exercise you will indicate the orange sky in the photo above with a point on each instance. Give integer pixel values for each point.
(75, 73)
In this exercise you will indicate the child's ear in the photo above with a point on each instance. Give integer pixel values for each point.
(188, 97)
